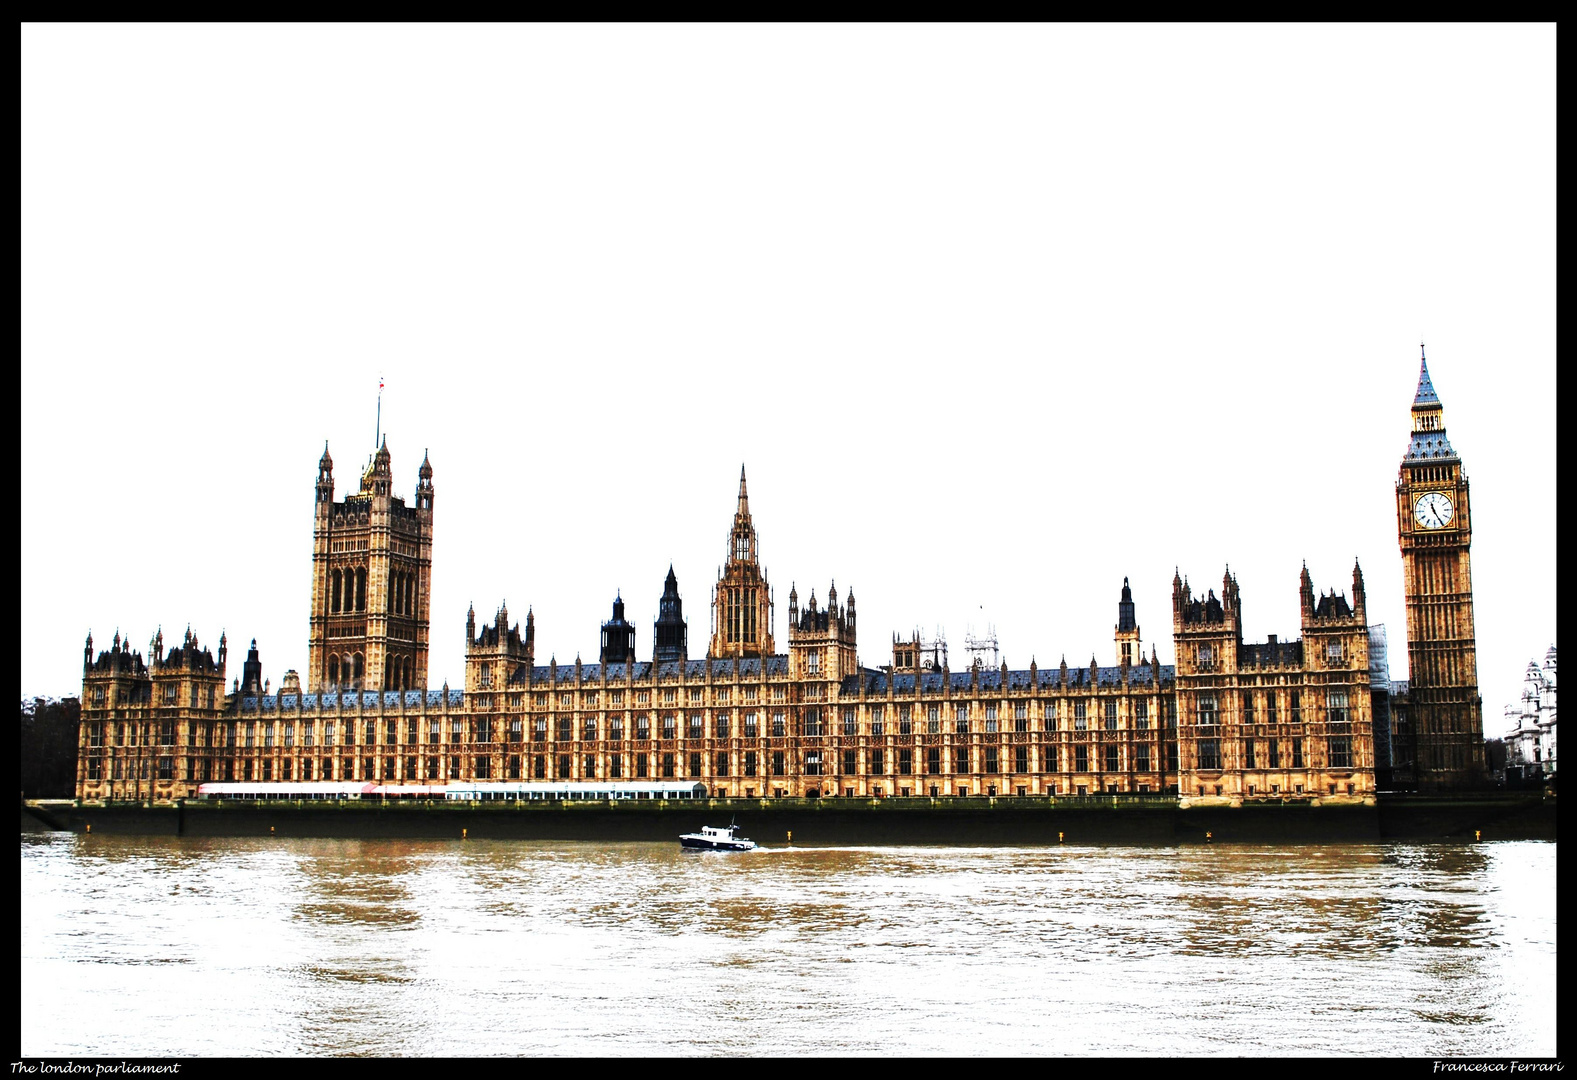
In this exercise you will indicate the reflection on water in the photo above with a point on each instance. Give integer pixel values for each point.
(151, 945)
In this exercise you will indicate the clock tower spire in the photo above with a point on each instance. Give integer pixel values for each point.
(1434, 527)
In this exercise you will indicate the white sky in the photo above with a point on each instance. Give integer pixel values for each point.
(994, 315)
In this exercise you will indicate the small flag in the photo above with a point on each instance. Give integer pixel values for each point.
(380, 382)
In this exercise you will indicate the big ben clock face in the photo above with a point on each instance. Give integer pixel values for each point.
(1434, 510)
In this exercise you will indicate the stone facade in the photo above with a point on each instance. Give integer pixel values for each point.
(1257, 721)
(1273, 718)
(1231, 721)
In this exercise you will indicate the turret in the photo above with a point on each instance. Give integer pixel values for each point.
(252, 673)
(1130, 650)
(325, 490)
(496, 654)
(618, 637)
(424, 485)
(670, 633)
(821, 642)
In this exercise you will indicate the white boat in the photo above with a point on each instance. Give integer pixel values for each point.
(711, 838)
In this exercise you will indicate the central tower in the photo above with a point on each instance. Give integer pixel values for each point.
(1435, 528)
(742, 599)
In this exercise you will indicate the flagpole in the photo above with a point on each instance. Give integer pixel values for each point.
(377, 431)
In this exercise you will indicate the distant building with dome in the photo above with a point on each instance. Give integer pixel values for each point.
(1530, 724)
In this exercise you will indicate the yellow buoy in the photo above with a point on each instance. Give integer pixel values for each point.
(463, 833)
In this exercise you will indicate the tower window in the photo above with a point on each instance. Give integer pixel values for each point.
(1340, 751)
(1336, 706)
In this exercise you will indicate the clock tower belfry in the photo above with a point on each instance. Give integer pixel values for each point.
(1435, 527)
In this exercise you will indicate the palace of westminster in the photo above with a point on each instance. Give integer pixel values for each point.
(1231, 721)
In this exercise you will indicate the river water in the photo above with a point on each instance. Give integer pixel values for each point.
(188, 947)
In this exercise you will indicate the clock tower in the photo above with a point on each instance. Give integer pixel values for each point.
(1435, 527)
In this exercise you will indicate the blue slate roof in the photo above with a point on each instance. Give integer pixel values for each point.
(1429, 446)
(1426, 389)
(1272, 652)
(332, 699)
(694, 670)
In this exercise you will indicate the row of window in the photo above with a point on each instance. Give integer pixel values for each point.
(903, 762)
(1272, 754)
(269, 733)
(399, 672)
(1207, 657)
(666, 765)
(348, 592)
(252, 733)
(1207, 709)
(198, 695)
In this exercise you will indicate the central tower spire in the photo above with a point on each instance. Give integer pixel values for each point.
(742, 599)
(742, 537)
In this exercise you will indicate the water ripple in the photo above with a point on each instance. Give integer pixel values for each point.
(212, 947)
